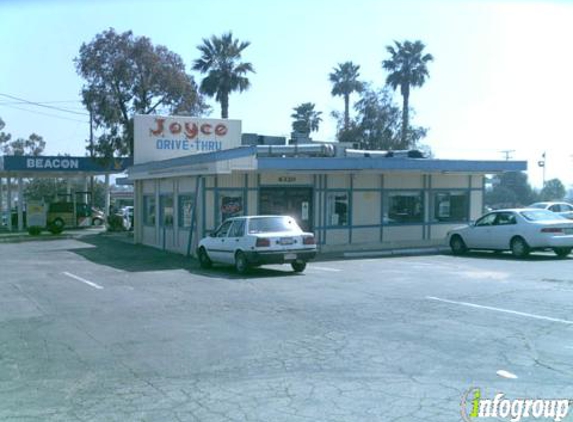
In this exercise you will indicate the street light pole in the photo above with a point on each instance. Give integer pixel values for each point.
(541, 163)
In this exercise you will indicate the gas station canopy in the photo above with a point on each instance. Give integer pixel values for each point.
(60, 166)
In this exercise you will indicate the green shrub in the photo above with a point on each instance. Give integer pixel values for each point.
(115, 223)
(34, 230)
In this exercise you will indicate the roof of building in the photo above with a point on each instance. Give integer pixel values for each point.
(245, 159)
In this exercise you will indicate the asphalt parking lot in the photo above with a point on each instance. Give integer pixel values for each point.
(99, 330)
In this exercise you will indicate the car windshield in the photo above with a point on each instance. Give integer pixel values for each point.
(540, 205)
(272, 224)
(541, 215)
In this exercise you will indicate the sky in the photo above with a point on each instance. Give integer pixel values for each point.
(500, 80)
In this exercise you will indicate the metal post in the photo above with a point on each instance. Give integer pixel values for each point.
(20, 204)
(9, 201)
(1, 200)
(106, 195)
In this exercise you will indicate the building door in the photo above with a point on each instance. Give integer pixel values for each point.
(295, 202)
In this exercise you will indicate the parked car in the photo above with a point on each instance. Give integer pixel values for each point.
(561, 208)
(98, 217)
(257, 240)
(518, 230)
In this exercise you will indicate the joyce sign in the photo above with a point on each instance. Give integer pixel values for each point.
(160, 138)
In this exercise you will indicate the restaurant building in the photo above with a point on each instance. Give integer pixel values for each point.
(191, 174)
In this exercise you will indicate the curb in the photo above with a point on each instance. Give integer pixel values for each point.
(397, 252)
(29, 238)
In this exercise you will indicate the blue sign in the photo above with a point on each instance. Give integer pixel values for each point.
(64, 164)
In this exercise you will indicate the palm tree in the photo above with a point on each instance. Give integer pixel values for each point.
(306, 118)
(408, 68)
(221, 60)
(344, 82)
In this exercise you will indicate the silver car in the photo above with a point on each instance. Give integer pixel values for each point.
(562, 208)
(518, 230)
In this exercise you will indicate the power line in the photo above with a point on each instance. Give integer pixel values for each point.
(48, 114)
(44, 105)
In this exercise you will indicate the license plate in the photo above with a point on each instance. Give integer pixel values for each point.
(286, 241)
(290, 256)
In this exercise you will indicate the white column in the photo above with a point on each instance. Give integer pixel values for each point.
(1, 199)
(20, 204)
(106, 194)
(9, 201)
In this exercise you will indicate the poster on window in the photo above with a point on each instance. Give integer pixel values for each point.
(231, 206)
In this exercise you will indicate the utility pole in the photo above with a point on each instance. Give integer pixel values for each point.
(507, 153)
(92, 156)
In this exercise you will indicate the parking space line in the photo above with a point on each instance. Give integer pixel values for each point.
(334, 270)
(507, 311)
(83, 280)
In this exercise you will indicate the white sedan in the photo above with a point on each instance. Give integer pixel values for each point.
(518, 230)
(257, 240)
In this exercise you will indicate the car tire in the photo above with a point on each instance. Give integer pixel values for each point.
(241, 263)
(562, 252)
(519, 247)
(97, 221)
(204, 260)
(59, 223)
(298, 266)
(457, 245)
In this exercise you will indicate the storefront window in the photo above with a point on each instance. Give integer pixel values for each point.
(149, 210)
(451, 206)
(166, 205)
(337, 208)
(230, 205)
(185, 211)
(403, 207)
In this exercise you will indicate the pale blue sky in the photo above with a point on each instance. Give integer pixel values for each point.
(501, 79)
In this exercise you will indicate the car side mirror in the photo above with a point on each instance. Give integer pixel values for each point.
(212, 234)
(472, 223)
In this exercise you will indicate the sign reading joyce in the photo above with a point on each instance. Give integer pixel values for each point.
(160, 138)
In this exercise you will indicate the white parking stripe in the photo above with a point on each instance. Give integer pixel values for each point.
(507, 311)
(83, 280)
(334, 270)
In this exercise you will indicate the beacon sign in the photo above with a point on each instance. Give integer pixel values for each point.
(160, 138)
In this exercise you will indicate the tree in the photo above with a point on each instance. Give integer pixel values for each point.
(221, 61)
(344, 82)
(34, 145)
(377, 125)
(306, 118)
(408, 68)
(510, 189)
(553, 190)
(126, 75)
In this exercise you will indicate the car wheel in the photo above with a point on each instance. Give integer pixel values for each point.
(97, 221)
(458, 245)
(204, 260)
(241, 263)
(59, 223)
(298, 266)
(562, 252)
(519, 247)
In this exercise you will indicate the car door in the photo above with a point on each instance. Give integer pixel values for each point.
(235, 240)
(216, 243)
(477, 236)
(503, 229)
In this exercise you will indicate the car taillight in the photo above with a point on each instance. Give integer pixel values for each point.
(552, 230)
(263, 242)
(308, 240)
